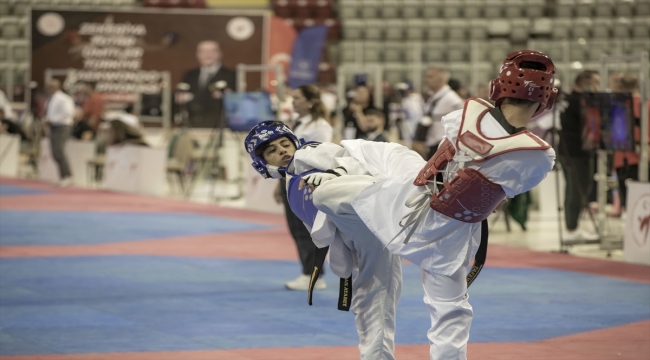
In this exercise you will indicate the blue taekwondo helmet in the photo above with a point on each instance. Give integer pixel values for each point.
(264, 133)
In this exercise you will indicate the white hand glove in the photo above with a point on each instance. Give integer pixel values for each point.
(316, 179)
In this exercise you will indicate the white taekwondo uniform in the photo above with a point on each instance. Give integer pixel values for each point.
(376, 273)
(441, 246)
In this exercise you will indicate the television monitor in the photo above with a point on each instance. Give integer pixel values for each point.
(247, 109)
(607, 121)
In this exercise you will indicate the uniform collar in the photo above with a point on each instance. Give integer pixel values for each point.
(498, 116)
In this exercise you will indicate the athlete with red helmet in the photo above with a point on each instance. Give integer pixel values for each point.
(486, 156)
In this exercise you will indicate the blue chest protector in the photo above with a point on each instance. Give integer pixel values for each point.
(301, 201)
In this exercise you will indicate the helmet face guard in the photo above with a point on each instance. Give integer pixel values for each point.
(260, 135)
(525, 83)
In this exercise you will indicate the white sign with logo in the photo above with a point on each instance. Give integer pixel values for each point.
(9, 149)
(636, 246)
(137, 169)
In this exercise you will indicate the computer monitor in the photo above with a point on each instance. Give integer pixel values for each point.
(607, 121)
(247, 109)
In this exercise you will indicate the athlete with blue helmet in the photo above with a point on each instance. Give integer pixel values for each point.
(374, 290)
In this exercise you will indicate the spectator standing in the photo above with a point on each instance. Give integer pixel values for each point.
(353, 113)
(374, 125)
(442, 100)
(312, 125)
(412, 111)
(59, 114)
(92, 106)
(577, 164)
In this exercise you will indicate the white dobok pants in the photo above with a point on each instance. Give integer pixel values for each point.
(377, 288)
(376, 275)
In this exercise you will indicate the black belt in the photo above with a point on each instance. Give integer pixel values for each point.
(481, 254)
(345, 288)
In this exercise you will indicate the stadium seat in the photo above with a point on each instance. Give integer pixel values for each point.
(394, 29)
(497, 50)
(604, 8)
(303, 9)
(561, 28)
(348, 9)
(478, 29)
(642, 8)
(283, 9)
(412, 9)
(535, 8)
(430, 9)
(352, 29)
(372, 51)
(473, 9)
(369, 9)
(520, 29)
(578, 52)
(498, 27)
(460, 71)
(451, 8)
(19, 7)
(374, 29)
(640, 27)
(436, 29)
(390, 9)
(584, 8)
(493, 9)
(623, 8)
(324, 9)
(581, 28)
(601, 28)
(393, 74)
(542, 27)
(351, 51)
(19, 50)
(10, 27)
(415, 29)
(458, 51)
(634, 46)
(5, 8)
(565, 8)
(597, 48)
(435, 51)
(514, 8)
(4, 51)
(414, 51)
(457, 29)
(394, 51)
(621, 28)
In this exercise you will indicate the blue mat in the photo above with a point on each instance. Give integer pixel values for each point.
(145, 303)
(10, 190)
(69, 228)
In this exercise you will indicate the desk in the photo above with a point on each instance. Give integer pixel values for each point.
(138, 169)
(78, 154)
(9, 149)
(636, 244)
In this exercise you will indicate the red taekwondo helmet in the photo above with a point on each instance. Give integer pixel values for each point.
(525, 74)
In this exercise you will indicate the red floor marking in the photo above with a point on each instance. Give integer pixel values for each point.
(75, 199)
(274, 244)
(627, 342)
(509, 256)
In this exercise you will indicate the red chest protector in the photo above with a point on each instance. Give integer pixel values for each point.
(471, 197)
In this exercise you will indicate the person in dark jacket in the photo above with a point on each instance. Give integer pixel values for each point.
(207, 84)
(577, 164)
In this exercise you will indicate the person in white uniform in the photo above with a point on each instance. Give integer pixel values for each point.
(59, 115)
(486, 155)
(371, 277)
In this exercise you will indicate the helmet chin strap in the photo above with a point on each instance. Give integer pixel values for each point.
(276, 172)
